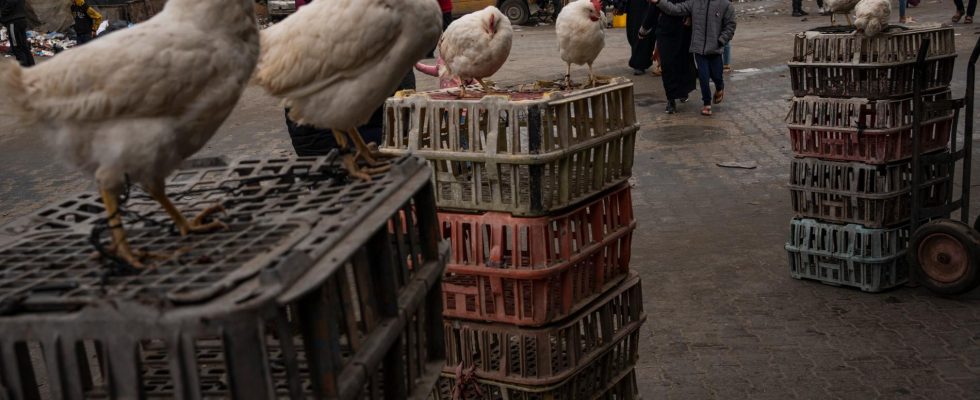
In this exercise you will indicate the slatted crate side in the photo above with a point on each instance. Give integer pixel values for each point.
(873, 196)
(848, 255)
(870, 81)
(860, 113)
(871, 146)
(536, 297)
(889, 47)
(501, 125)
(535, 186)
(611, 377)
(243, 344)
(547, 355)
(500, 240)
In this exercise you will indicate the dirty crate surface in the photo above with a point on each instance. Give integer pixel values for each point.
(532, 271)
(875, 196)
(853, 113)
(872, 81)
(848, 255)
(896, 45)
(319, 288)
(609, 377)
(547, 355)
(870, 146)
(526, 156)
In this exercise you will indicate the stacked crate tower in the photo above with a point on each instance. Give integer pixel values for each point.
(532, 191)
(851, 127)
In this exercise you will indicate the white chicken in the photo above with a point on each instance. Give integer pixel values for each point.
(476, 46)
(334, 62)
(835, 7)
(134, 104)
(581, 35)
(871, 16)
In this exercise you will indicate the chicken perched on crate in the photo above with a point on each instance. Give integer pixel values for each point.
(334, 62)
(476, 46)
(133, 105)
(835, 7)
(581, 35)
(871, 16)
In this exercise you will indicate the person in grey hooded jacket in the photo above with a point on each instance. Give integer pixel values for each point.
(713, 25)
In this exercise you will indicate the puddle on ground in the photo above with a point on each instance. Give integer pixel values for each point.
(687, 134)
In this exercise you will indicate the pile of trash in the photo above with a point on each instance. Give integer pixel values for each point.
(51, 43)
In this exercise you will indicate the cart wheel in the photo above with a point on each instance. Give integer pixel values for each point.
(943, 256)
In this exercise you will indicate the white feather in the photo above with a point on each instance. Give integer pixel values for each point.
(871, 16)
(470, 51)
(137, 102)
(334, 62)
(580, 40)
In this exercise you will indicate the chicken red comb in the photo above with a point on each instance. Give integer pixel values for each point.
(598, 5)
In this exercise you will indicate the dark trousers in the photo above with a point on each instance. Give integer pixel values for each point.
(83, 38)
(797, 5)
(17, 32)
(447, 18)
(709, 67)
(971, 8)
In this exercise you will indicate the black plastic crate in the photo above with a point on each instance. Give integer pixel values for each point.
(319, 288)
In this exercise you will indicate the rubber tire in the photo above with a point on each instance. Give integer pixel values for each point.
(521, 12)
(963, 234)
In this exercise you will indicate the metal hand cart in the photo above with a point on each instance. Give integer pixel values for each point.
(944, 253)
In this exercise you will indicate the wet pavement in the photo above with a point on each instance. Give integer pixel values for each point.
(725, 320)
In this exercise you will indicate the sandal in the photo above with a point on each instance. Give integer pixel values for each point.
(957, 16)
(968, 20)
(727, 69)
(719, 96)
(706, 111)
(906, 20)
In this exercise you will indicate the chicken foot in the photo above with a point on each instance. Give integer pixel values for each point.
(120, 245)
(363, 151)
(592, 78)
(486, 88)
(197, 225)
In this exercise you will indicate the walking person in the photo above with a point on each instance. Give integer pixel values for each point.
(87, 21)
(13, 16)
(674, 43)
(970, 9)
(902, 18)
(641, 57)
(798, 9)
(713, 25)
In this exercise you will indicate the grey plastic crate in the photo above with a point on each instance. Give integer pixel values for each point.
(320, 288)
(897, 45)
(854, 113)
(527, 153)
(873, 81)
(848, 255)
(874, 196)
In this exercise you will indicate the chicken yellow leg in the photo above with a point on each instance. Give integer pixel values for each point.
(848, 18)
(158, 193)
(486, 88)
(592, 78)
(119, 243)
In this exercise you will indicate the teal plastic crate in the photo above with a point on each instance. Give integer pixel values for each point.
(872, 260)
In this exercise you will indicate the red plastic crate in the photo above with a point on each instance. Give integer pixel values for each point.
(531, 271)
(546, 355)
(871, 146)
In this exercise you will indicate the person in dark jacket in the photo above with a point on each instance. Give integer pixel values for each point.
(713, 25)
(642, 48)
(309, 141)
(87, 21)
(13, 16)
(676, 63)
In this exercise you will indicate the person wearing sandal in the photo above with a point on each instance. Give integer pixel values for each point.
(970, 9)
(713, 25)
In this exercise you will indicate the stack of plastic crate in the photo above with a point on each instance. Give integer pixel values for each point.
(851, 127)
(320, 288)
(533, 195)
